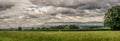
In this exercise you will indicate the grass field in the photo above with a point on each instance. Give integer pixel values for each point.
(60, 36)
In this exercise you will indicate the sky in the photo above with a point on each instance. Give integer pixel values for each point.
(38, 12)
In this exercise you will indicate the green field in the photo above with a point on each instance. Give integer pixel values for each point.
(60, 36)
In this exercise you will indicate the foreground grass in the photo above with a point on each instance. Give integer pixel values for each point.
(60, 36)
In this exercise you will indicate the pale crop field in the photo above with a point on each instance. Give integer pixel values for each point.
(60, 36)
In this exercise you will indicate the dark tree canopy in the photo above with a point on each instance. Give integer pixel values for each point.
(112, 18)
(65, 27)
(19, 28)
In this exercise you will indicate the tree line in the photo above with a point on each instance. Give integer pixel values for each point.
(65, 27)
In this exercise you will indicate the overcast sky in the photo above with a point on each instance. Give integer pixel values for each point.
(35, 12)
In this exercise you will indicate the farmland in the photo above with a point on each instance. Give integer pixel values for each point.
(59, 36)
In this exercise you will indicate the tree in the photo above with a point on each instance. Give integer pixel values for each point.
(67, 27)
(73, 27)
(112, 18)
(20, 28)
(39, 28)
(32, 28)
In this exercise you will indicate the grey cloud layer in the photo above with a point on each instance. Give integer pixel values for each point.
(12, 12)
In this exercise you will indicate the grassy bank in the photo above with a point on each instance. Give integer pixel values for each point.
(60, 36)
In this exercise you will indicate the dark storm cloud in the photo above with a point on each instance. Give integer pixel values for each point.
(4, 7)
(81, 4)
(4, 4)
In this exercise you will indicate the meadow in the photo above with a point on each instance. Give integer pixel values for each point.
(60, 36)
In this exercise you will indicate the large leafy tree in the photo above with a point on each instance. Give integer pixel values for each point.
(112, 18)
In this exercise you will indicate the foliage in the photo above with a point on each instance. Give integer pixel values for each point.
(65, 27)
(20, 28)
(112, 18)
(73, 27)
(54, 28)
